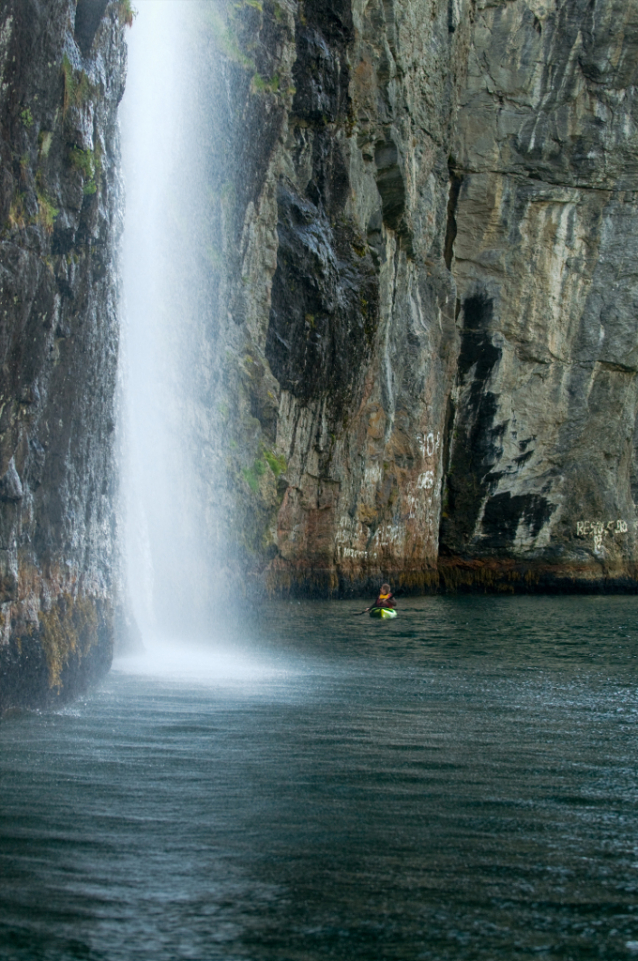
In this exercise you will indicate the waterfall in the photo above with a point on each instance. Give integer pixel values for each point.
(167, 309)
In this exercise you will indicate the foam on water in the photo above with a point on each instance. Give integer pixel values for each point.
(196, 663)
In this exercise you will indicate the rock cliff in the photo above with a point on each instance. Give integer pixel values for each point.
(429, 314)
(542, 452)
(62, 74)
(412, 295)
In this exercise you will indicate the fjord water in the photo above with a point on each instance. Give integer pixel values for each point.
(459, 783)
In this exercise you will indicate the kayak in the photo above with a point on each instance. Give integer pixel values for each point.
(383, 612)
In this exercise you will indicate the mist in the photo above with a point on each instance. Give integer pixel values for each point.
(169, 562)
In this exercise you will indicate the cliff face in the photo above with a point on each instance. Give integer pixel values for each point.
(430, 312)
(62, 73)
(542, 454)
(411, 289)
(342, 308)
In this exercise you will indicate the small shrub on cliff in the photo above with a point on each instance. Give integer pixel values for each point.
(17, 215)
(69, 83)
(260, 85)
(45, 139)
(276, 464)
(88, 163)
(82, 160)
(77, 86)
(252, 474)
(126, 13)
(46, 213)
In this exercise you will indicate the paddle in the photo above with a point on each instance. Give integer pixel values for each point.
(359, 613)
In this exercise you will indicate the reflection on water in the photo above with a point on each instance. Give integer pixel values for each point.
(459, 783)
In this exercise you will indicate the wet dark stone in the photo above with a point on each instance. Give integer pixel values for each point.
(504, 512)
(318, 79)
(88, 15)
(390, 183)
(324, 306)
(476, 446)
(59, 337)
(10, 484)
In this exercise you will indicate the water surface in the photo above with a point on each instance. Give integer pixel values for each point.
(457, 784)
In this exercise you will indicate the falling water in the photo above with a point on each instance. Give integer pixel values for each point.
(455, 784)
(165, 308)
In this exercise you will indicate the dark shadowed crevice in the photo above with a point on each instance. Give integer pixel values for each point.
(324, 306)
(476, 439)
(321, 73)
(476, 345)
(453, 199)
(504, 512)
(451, 17)
(390, 183)
(450, 415)
(88, 15)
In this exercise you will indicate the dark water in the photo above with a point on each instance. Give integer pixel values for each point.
(457, 784)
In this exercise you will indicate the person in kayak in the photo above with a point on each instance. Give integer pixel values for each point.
(385, 598)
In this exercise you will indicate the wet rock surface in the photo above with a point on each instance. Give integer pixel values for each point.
(62, 72)
(412, 349)
(468, 421)
(544, 262)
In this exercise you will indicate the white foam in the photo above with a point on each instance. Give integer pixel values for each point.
(185, 662)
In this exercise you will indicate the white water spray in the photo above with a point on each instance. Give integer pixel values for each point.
(167, 567)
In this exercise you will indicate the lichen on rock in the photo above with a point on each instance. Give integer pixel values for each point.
(62, 71)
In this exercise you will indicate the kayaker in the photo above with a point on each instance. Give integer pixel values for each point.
(385, 598)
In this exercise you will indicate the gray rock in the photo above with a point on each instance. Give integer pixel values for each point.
(470, 170)
(10, 484)
(59, 229)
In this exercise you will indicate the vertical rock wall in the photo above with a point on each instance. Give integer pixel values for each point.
(542, 451)
(414, 353)
(62, 74)
(342, 308)
(429, 320)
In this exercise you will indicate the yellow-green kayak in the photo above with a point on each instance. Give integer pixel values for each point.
(383, 612)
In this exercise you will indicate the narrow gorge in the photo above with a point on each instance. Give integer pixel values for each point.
(411, 344)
